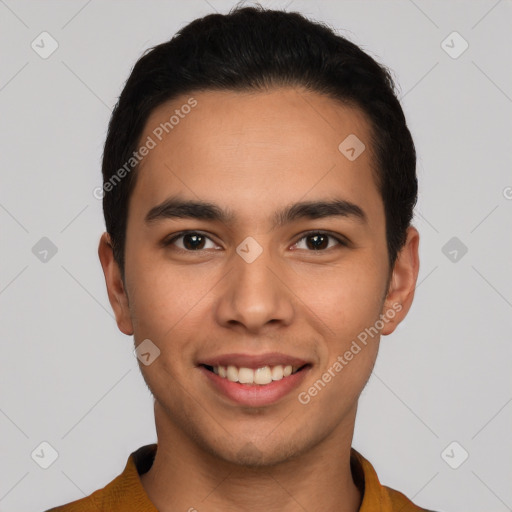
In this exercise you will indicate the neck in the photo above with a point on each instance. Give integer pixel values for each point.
(186, 477)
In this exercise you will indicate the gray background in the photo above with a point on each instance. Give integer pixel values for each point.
(69, 377)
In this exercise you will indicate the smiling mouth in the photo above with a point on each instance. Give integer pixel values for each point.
(260, 376)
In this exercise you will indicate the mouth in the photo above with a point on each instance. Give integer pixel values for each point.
(254, 381)
(260, 376)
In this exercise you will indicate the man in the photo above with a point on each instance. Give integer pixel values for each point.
(259, 183)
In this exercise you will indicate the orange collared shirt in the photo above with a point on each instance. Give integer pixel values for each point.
(126, 494)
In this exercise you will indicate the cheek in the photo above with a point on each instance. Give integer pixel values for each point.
(345, 299)
(349, 305)
(164, 299)
(168, 306)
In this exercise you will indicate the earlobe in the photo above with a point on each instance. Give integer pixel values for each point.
(115, 288)
(403, 282)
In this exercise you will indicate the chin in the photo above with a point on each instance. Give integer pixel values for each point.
(258, 454)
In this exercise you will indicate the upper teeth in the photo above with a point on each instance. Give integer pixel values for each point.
(263, 375)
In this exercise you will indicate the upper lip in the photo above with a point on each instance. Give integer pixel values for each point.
(253, 361)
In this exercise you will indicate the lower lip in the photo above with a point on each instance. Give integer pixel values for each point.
(255, 395)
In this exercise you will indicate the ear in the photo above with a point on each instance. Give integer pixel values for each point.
(115, 287)
(402, 283)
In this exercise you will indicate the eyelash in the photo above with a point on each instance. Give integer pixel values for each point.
(341, 241)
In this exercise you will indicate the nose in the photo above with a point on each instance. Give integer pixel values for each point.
(254, 294)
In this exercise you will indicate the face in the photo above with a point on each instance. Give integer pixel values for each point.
(252, 285)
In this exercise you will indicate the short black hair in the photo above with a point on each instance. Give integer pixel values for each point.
(256, 49)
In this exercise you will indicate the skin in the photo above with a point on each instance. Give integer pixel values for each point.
(256, 153)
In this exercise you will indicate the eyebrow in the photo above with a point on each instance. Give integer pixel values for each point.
(176, 207)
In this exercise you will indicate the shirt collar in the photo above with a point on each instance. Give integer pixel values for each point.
(375, 497)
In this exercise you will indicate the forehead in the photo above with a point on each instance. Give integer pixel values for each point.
(248, 150)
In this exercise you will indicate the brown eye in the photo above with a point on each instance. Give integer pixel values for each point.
(318, 241)
(191, 241)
